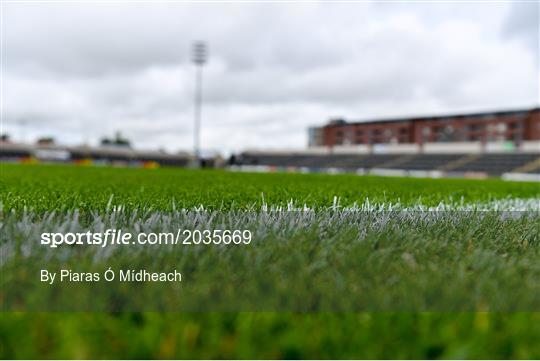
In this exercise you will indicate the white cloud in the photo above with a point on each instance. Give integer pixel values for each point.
(82, 71)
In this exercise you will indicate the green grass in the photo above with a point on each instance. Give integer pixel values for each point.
(333, 260)
(272, 335)
(50, 187)
(480, 260)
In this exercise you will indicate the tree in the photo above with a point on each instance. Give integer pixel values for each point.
(45, 141)
(118, 140)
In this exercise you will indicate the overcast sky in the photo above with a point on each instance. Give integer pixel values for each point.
(82, 71)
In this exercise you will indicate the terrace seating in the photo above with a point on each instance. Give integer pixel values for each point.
(374, 160)
(492, 164)
(428, 161)
(342, 161)
(496, 164)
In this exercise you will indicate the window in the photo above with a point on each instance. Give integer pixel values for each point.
(474, 127)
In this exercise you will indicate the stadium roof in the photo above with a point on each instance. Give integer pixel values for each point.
(437, 117)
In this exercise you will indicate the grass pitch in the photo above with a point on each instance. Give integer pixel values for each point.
(52, 187)
(466, 260)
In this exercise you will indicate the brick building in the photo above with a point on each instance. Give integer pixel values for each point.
(509, 126)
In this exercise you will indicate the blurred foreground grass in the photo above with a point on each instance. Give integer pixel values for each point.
(271, 335)
(252, 335)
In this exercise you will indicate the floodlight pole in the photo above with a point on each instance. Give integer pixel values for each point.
(199, 58)
(197, 115)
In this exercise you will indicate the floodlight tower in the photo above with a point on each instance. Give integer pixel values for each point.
(199, 59)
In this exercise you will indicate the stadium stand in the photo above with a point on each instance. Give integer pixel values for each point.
(124, 156)
(492, 164)
(493, 143)
(340, 161)
(531, 167)
(10, 151)
(428, 161)
(497, 164)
